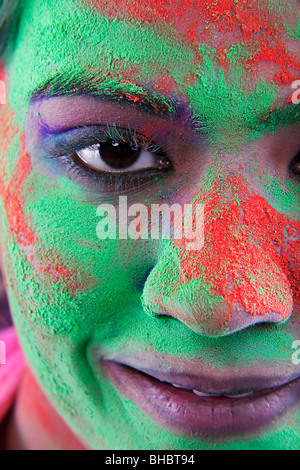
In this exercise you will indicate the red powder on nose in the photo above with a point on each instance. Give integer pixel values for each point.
(249, 257)
(223, 59)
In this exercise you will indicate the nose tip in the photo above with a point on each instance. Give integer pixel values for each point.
(217, 310)
(244, 274)
(208, 316)
(241, 319)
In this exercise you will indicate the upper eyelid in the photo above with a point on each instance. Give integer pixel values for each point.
(84, 136)
(93, 131)
(59, 113)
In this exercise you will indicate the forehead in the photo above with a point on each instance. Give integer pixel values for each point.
(253, 31)
(199, 19)
(186, 48)
(254, 24)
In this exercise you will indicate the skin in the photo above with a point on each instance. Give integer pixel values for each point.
(75, 299)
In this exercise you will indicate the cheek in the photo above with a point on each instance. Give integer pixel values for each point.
(37, 272)
(14, 170)
(57, 266)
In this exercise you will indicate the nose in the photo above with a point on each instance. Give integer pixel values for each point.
(240, 277)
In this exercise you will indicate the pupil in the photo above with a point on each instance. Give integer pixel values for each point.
(295, 165)
(119, 154)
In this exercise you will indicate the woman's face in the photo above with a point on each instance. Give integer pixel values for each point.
(190, 104)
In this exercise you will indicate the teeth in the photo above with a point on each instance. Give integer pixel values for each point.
(200, 394)
(242, 395)
(211, 395)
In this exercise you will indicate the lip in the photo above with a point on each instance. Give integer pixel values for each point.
(218, 417)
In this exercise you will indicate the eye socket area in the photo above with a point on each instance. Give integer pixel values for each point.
(119, 156)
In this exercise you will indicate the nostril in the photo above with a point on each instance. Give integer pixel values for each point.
(151, 309)
(241, 319)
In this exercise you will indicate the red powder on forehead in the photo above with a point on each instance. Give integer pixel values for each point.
(249, 257)
(260, 29)
(285, 77)
(164, 83)
(277, 54)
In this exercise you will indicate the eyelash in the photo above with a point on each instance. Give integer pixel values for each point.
(60, 148)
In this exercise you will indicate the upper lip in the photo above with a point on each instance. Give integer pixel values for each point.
(194, 375)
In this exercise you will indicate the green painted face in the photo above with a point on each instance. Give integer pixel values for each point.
(197, 101)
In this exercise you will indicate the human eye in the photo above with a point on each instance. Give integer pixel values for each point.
(113, 158)
(294, 167)
(121, 151)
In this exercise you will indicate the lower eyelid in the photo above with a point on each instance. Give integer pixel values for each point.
(59, 149)
(108, 183)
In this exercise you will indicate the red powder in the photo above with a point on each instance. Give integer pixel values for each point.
(164, 83)
(2, 71)
(285, 78)
(249, 256)
(222, 55)
(13, 201)
(260, 29)
(11, 188)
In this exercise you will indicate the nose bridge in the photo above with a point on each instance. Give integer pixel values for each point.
(237, 273)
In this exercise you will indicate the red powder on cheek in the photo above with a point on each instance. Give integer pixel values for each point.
(13, 201)
(2, 72)
(11, 187)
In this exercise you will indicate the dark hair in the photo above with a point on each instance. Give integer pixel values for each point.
(8, 21)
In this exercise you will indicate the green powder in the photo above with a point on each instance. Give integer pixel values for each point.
(60, 319)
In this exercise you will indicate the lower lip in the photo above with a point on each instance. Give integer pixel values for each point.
(183, 412)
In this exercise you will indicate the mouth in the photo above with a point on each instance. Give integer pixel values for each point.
(184, 407)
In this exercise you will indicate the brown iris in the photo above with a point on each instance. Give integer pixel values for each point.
(118, 154)
(295, 165)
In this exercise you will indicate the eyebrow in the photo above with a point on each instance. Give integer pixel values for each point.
(280, 117)
(146, 100)
(110, 89)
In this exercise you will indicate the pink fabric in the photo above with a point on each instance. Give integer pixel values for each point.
(11, 373)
